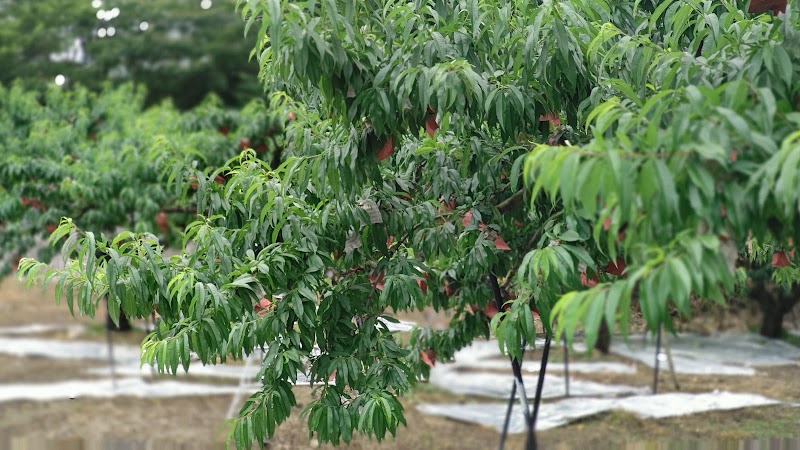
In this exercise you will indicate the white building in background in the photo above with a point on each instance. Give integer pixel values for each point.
(74, 53)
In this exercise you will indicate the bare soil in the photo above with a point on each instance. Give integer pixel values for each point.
(199, 422)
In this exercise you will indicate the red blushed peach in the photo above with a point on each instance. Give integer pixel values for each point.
(552, 118)
(490, 310)
(262, 307)
(423, 282)
(161, 221)
(586, 282)
(780, 259)
(500, 244)
(377, 281)
(387, 150)
(428, 356)
(467, 219)
(449, 290)
(760, 6)
(616, 267)
(430, 125)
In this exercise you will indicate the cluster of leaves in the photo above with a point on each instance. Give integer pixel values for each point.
(774, 260)
(414, 124)
(686, 150)
(99, 159)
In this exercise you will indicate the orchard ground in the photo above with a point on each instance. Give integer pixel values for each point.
(198, 422)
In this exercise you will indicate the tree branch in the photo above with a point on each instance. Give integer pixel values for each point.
(510, 202)
(529, 247)
(179, 209)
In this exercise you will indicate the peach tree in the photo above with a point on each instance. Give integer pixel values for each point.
(487, 158)
(99, 158)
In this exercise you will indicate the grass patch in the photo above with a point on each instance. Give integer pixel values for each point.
(790, 338)
(770, 429)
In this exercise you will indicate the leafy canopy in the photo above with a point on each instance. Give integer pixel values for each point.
(98, 158)
(652, 138)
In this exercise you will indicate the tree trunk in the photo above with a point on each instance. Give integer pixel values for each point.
(774, 302)
(772, 322)
(603, 343)
(124, 325)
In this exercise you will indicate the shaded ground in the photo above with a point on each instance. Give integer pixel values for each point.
(198, 422)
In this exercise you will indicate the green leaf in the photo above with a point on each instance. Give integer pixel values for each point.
(569, 236)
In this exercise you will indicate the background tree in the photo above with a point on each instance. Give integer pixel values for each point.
(773, 282)
(182, 49)
(412, 126)
(99, 159)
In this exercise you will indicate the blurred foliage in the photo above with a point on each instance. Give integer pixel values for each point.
(185, 52)
(102, 158)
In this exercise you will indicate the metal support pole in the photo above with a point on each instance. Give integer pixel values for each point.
(516, 368)
(507, 421)
(110, 341)
(153, 371)
(658, 353)
(523, 397)
(671, 363)
(531, 443)
(566, 369)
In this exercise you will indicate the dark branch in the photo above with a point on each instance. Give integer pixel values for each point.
(509, 203)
